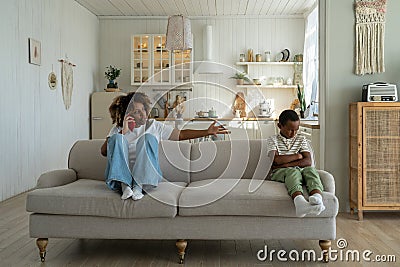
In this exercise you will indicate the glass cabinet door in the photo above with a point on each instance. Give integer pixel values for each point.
(151, 63)
(161, 60)
(182, 66)
(141, 59)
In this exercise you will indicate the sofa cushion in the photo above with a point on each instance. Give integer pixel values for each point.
(86, 160)
(93, 198)
(246, 159)
(232, 197)
(174, 160)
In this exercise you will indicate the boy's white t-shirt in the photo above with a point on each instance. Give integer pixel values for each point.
(155, 128)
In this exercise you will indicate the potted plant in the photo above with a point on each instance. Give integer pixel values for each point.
(302, 101)
(241, 77)
(111, 74)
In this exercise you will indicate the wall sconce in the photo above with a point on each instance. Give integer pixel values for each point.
(179, 34)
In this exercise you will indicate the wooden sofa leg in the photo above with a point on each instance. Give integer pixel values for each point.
(42, 244)
(325, 246)
(181, 245)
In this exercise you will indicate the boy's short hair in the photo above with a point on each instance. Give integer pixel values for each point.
(288, 115)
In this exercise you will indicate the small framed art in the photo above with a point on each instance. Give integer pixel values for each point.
(35, 54)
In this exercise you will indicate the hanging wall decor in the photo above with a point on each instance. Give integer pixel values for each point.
(67, 81)
(35, 53)
(52, 80)
(370, 33)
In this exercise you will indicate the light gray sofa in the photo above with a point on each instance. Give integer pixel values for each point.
(212, 191)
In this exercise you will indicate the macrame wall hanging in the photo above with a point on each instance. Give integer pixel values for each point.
(370, 34)
(67, 81)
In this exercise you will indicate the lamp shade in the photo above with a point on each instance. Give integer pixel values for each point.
(179, 34)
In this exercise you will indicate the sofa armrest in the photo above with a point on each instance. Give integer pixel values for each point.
(327, 181)
(56, 178)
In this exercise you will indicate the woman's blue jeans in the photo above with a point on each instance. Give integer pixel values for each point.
(146, 170)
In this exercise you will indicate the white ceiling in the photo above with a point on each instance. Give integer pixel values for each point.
(197, 8)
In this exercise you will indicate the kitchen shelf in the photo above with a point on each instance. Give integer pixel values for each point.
(276, 67)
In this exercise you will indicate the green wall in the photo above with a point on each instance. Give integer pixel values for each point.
(343, 86)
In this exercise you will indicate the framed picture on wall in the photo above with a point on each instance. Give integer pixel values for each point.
(35, 54)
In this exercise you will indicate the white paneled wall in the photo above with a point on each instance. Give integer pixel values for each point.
(231, 36)
(36, 130)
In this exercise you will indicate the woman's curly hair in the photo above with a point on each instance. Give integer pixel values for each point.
(122, 103)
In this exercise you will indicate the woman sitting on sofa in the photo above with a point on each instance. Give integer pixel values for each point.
(131, 147)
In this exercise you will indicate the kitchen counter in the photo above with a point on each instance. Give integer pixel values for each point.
(218, 119)
(310, 124)
(313, 124)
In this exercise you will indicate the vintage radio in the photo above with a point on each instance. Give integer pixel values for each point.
(379, 92)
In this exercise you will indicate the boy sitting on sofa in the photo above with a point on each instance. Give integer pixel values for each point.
(292, 165)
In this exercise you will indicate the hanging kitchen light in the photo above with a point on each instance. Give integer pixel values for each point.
(179, 34)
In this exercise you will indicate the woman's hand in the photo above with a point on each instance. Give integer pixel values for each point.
(216, 129)
(128, 124)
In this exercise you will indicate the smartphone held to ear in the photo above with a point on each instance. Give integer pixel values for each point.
(131, 125)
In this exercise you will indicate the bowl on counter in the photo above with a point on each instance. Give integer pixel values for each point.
(202, 114)
(257, 81)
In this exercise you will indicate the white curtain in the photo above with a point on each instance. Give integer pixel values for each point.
(310, 61)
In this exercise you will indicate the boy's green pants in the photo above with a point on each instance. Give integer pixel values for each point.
(293, 178)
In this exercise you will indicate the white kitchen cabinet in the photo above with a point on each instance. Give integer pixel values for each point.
(100, 121)
(141, 59)
(152, 64)
(196, 125)
(266, 129)
(182, 67)
(240, 130)
(312, 135)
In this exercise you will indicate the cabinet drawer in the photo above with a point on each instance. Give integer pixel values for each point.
(305, 130)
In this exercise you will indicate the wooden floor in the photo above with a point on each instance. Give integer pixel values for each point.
(379, 232)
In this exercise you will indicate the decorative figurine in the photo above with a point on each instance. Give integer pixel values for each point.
(239, 105)
(179, 106)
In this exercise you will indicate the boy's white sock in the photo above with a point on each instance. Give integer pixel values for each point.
(303, 207)
(316, 200)
(126, 191)
(137, 192)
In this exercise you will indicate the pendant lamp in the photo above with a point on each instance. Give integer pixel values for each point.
(179, 34)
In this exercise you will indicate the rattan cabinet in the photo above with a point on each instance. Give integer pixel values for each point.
(374, 157)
